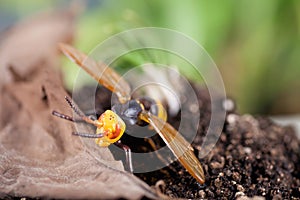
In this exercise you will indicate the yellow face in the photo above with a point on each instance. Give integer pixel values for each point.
(111, 126)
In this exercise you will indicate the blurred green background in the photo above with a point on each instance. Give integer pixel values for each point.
(255, 44)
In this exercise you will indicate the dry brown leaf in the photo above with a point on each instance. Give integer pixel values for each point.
(38, 155)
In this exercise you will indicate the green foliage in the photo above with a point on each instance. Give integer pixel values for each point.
(254, 43)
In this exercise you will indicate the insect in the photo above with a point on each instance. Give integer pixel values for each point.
(111, 126)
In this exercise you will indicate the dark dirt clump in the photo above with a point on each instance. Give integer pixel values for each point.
(253, 157)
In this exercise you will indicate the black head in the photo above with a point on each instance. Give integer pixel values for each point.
(128, 111)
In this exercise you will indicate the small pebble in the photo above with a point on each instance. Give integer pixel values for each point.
(236, 176)
(247, 150)
(202, 194)
(228, 105)
(218, 183)
(228, 173)
(240, 188)
(232, 118)
(239, 194)
(221, 174)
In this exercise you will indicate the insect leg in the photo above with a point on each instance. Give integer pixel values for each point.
(73, 106)
(87, 135)
(66, 117)
(159, 156)
(85, 118)
(127, 154)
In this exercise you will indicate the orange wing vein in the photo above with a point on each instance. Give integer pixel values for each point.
(177, 144)
(102, 73)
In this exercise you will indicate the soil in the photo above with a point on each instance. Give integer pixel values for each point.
(253, 157)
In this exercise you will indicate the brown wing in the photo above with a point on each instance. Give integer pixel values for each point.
(99, 71)
(177, 144)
